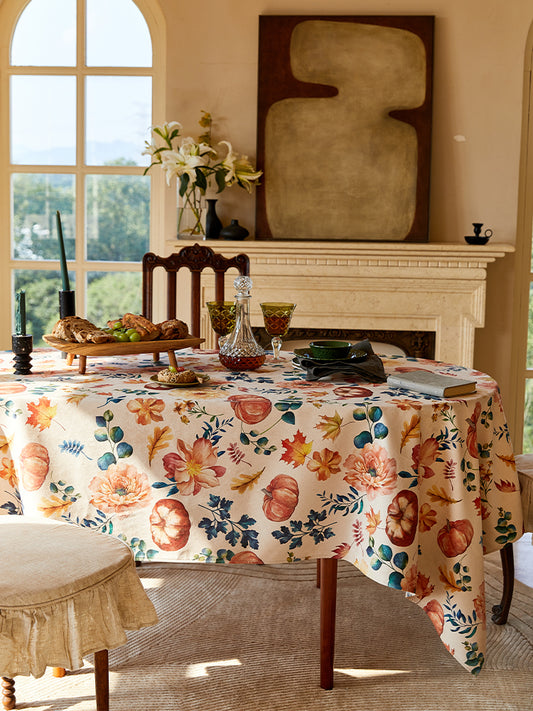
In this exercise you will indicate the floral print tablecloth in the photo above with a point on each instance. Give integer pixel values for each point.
(264, 467)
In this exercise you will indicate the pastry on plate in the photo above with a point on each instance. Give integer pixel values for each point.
(180, 376)
(172, 329)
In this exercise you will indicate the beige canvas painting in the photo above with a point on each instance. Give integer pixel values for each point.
(345, 165)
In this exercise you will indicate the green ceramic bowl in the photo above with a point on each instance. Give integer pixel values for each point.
(330, 350)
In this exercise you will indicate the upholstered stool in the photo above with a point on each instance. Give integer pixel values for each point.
(524, 468)
(65, 592)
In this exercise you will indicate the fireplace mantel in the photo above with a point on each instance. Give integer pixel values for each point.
(437, 287)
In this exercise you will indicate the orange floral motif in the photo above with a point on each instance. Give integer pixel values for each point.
(505, 486)
(374, 519)
(146, 410)
(193, 468)
(371, 470)
(296, 450)
(341, 550)
(42, 414)
(416, 583)
(427, 518)
(324, 464)
(331, 426)
(120, 489)
(8, 472)
(183, 406)
(424, 455)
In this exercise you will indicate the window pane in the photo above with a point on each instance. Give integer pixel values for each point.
(118, 119)
(118, 217)
(43, 120)
(112, 294)
(45, 35)
(117, 35)
(35, 200)
(42, 300)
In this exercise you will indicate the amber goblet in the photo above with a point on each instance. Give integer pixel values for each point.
(222, 315)
(277, 318)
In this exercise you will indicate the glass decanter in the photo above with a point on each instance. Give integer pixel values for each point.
(241, 351)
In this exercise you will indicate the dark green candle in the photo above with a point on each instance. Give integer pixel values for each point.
(62, 257)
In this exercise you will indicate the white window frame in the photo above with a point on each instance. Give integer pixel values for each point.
(10, 12)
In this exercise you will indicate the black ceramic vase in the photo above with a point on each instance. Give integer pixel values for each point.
(213, 225)
(234, 231)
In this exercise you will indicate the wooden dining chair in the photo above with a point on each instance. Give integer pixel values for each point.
(195, 258)
(524, 468)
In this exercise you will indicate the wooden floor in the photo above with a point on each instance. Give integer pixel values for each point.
(523, 560)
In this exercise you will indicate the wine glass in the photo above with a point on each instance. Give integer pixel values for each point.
(277, 318)
(222, 315)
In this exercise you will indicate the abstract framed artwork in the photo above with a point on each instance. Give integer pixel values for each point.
(344, 127)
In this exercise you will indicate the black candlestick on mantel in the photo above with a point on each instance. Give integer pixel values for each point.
(22, 347)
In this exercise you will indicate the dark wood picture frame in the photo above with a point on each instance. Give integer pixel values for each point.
(276, 83)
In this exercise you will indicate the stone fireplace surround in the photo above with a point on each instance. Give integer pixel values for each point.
(432, 287)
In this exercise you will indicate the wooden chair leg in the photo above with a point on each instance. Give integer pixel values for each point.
(318, 572)
(501, 611)
(328, 602)
(8, 693)
(101, 680)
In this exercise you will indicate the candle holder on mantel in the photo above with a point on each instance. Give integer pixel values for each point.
(22, 347)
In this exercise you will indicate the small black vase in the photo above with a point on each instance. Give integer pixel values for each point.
(234, 231)
(212, 223)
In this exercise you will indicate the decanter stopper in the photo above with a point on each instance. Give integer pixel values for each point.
(241, 351)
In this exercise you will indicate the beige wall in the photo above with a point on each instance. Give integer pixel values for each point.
(478, 86)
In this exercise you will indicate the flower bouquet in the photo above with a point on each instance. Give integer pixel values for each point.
(196, 164)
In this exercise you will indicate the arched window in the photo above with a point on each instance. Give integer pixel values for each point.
(80, 87)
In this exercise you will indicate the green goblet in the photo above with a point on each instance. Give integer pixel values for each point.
(222, 315)
(277, 318)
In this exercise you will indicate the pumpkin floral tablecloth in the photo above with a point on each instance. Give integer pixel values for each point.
(265, 467)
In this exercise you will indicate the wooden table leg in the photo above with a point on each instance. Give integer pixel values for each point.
(82, 364)
(70, 358)
(501, 611)
(172, 359)
(8, 693)
(101, 680)
(328, 602)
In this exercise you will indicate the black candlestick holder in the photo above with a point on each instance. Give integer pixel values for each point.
(67, 303)
(22, 347)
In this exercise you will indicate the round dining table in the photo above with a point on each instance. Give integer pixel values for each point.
(265, 467)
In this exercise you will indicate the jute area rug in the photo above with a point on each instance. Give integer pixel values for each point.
(246, 638)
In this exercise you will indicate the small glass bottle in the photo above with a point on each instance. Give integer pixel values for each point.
(241, 351)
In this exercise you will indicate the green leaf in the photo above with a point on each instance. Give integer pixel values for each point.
(361, 439)
(289, 418)
(184, 184)
(359, 413)
(116, 434)
(375, 413)
(385, 552)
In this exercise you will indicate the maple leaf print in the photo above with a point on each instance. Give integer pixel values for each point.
(297, 450)
(42, 414)
(331, 426)
(146, 410)
(374, 519)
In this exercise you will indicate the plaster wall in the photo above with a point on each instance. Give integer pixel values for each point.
(477, 116)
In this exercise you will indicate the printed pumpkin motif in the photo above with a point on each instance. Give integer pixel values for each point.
(34, 463)
(281, 498)
(455, 537)
(250, 409)
(248, 557)
(434, 611)
(170, 525)
(402, 518)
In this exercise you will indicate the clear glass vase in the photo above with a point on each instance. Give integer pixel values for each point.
(191, 217)
(241, 351)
